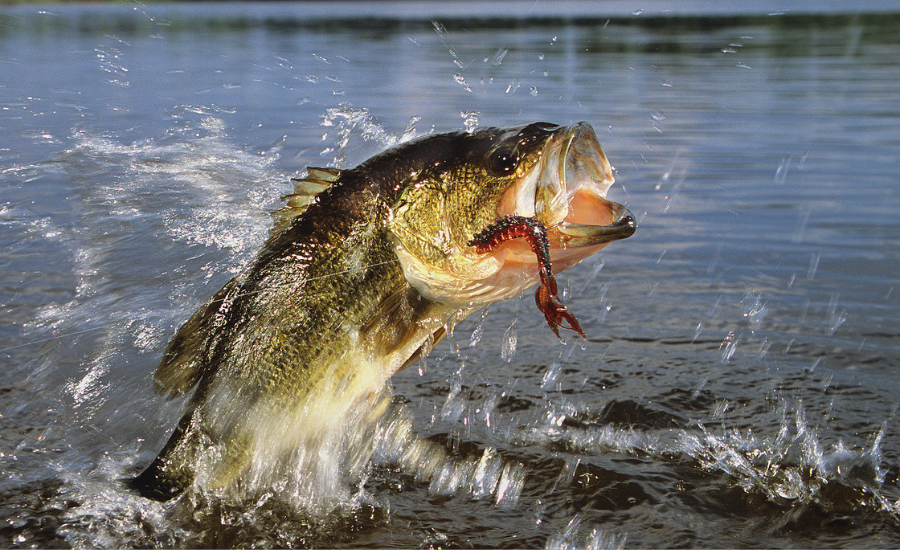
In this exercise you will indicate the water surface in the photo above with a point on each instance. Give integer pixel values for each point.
(739, 385)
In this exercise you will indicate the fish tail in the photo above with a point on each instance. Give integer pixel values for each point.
(170, 473)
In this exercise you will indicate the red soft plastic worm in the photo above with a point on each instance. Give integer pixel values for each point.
(546, 295)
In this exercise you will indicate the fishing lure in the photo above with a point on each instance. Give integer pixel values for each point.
(546, 296)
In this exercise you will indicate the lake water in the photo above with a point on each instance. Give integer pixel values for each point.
(740, 384)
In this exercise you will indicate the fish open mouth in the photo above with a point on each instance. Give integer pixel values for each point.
(570, 197)
(567, 193)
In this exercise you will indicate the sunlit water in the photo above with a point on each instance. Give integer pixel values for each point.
(739, 386)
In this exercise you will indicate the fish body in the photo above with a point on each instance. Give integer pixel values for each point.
(365, 270)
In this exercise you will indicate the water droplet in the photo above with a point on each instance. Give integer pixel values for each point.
(534, 90)
(802, 222)
(699, 388)
(729, 346)
(812, 368)
(476, 335)
(410, 131)
(813, 266)
(551, 375)
(719, 411)
(781, 172)
(753, 309)
(510, 340)
(835, 319)
(461, 80)
(512, 480)
(498, 57)
(471, 120)
(764, 348)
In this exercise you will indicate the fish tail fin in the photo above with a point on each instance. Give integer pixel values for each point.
(171, 472)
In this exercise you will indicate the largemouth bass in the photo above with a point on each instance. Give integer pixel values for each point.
(364, 272)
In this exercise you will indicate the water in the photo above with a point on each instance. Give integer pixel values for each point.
(738, 387)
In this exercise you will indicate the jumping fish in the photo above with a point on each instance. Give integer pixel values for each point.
(365, 270)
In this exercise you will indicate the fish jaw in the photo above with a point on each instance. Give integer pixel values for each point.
(567, 193)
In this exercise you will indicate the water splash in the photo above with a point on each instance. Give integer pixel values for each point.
(754, 309)
(470, 120)
(793, 467)
(322, 490)
(575, 535)
(353, 124)
(191, 186)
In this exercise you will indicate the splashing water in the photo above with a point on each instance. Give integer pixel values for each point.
(737, 387)
(353, 124)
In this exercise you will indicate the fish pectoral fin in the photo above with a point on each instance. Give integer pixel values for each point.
(305, 191)
(182, 364)
(425, 348)
(402, 327)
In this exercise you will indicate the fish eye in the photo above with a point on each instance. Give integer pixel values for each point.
(504, 160)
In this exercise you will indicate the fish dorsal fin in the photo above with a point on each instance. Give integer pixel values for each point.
(183, 363)
(305, 191)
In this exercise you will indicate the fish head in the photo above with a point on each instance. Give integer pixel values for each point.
(556, 174)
